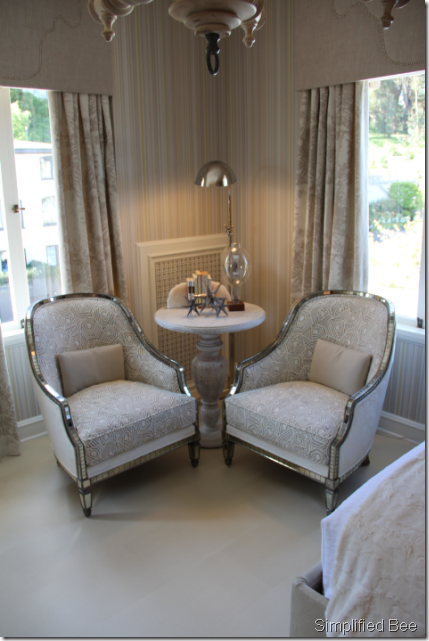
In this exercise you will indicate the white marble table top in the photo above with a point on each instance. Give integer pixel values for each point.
(208, 323)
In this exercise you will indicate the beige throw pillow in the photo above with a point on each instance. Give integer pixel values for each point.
(88, 367)
(340, 368)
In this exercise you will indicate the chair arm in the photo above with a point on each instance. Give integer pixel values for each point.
(161, 371)
(65, 441)
(264, 368)
(59, 426)
(362, 416)
(362, 426)
(259, 370)
(156, 368)
(250, 373)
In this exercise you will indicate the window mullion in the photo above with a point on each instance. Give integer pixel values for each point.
(18, 275)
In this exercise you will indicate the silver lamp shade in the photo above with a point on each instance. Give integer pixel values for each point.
(215, 174)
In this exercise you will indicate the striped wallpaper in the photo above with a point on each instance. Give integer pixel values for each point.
(171, 117)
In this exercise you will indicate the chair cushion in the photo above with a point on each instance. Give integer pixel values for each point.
(299, 416)
(341, 368)
(87, 367)
(115, 417)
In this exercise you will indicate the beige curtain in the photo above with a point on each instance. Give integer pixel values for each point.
(84, 159)
(9, 440)
(330, 248)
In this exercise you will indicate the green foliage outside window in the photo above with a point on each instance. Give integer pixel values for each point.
(37, 269)
(42, 270)
(396, 158)
(30, 116)
(404, 201)
(397, 106)
(408, 197)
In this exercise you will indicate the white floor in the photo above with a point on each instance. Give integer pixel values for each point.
(170, 551)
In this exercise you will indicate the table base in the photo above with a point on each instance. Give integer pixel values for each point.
(209, 370)
(211, 438)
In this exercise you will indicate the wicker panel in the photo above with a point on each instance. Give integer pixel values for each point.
(168, 273)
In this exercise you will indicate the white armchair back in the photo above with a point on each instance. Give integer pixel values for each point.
(86, 322)
(350, 321)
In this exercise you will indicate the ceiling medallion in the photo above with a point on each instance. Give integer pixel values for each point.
(211, 19)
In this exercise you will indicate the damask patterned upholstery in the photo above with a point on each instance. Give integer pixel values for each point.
(83, 323)
(107, 428)
(301, 417)
(274, 410)
(115, 417)
(358, 323)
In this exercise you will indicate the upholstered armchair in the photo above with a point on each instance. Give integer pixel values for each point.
(142, 407)
(312, 400)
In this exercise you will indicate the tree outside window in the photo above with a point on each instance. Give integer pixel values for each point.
(396, 190)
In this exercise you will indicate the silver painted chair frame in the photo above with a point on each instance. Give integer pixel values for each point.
(85, 483)
(333, 480)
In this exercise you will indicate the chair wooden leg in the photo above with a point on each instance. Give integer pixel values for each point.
(194, 452)
(86, 501)
(365, 460)
(228, 451)
(331, 497)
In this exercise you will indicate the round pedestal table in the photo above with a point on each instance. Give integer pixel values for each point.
(209, 367)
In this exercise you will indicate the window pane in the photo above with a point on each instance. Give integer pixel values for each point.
(49, 211)
(396, 189)
(46, 168)
(36, 188)
(6, 312)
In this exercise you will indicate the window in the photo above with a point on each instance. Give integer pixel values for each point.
(52, 255)
(46, 168)
(29, 240)
(396, 191)
(49, 211)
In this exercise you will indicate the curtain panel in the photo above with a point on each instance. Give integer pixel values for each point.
(9, 440)
(331, 224)
(91, 252)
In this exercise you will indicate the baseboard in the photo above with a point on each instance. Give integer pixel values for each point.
(31, 428)
(394, 425)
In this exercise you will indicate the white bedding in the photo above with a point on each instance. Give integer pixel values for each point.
(333, 524)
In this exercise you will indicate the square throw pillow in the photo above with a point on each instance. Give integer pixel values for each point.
(341, 368)
(88, 367)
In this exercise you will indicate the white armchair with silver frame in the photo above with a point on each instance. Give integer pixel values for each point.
(275, 407)
(104, 429)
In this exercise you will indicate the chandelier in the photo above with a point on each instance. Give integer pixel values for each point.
(211, 19)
